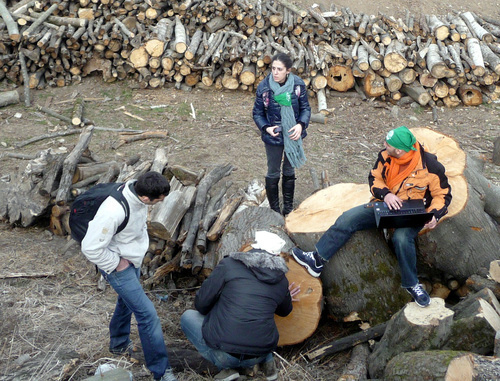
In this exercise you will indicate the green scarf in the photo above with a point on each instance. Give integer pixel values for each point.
(283, 96)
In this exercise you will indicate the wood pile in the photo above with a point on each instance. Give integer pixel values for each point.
(451, 59)
(198, 223)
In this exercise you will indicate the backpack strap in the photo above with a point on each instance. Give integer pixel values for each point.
(117, 194)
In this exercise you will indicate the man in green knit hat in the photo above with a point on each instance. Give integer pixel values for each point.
(403, 171)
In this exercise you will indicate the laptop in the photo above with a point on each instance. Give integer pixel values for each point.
(412, 213)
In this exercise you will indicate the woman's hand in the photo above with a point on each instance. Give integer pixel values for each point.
(273, 130)
(295, 132)
(294, 291)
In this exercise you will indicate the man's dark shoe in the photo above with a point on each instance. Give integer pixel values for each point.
(270, 370)
(419, 295)
(127, 350)
(227, 375)
(310, 260)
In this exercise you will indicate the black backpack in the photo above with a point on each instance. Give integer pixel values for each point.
(86, 205)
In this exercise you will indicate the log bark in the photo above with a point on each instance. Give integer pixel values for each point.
(471, 234)
(224, 216)
(471, 326)
(9, 98)
(442, 365)
(167, 215)
(411, 329)
(69, 165)
(205, 184)
(10, 23)
(356, 369)
(417, 93)
(347, 342)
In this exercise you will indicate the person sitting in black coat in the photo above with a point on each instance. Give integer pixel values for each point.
(233, 324)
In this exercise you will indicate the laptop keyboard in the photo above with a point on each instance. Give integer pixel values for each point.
(399, 212)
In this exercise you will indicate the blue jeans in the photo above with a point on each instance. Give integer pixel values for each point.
(275, 154)
(133, 300)
(191, 322)
(362, 218)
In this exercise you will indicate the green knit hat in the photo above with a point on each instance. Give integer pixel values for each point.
(401, 138)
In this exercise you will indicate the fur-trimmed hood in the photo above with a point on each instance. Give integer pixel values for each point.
(267, 267)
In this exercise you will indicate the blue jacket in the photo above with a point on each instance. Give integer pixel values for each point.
(266, 111)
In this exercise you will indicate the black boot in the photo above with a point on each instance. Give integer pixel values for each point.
(288, 189)
(272, 191)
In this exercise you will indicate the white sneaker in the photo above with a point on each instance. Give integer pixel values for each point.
(168, 376)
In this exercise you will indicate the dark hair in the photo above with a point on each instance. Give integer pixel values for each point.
(152, 185)
(283, 57)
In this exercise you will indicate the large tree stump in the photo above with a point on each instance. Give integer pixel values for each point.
(471, 237)
(358, 284)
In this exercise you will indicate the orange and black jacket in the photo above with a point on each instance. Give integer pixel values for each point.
(428, 182)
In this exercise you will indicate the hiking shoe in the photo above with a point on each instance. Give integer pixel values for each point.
(419, 295)
(310, 260)
(227, 375)
(168, 376)
(270, 370)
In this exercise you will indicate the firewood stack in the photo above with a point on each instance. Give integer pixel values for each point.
(449, 59)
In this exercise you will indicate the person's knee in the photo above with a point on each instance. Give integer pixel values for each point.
(187, 318)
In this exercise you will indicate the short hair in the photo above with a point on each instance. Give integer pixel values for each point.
(283, 57)
(152, 185)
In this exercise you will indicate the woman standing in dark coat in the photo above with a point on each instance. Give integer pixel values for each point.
(282, 112)
(233, 325)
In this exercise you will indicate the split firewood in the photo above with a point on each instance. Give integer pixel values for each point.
(226, 212)
(70, 164)
(160, 159)
(210, 213)
(205, 184)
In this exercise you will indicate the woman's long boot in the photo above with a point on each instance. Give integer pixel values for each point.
(288, 189)
(272, 191)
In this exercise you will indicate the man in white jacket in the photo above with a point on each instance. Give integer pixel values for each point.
(119, 257)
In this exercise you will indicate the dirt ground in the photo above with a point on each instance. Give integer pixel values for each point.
(55, 327)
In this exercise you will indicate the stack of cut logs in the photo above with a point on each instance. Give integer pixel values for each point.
(449, 59)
